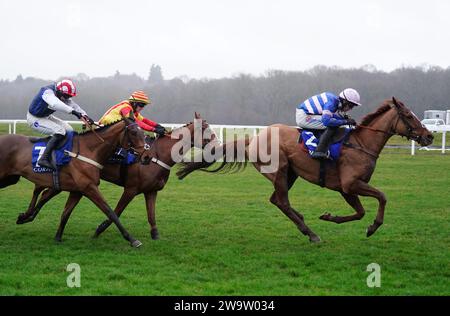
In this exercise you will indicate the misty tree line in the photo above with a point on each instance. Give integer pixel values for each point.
(243, 99)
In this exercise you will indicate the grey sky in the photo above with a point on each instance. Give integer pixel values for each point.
(216, 38)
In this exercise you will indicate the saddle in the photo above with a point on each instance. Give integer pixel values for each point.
(309, 139)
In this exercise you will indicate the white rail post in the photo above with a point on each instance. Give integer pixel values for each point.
(413, 148)
(9, 126)
(221, 134)
(443, 142)
(14, 127)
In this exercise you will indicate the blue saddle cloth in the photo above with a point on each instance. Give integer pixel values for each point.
(122, 157)
(58, 156)
(310, 141)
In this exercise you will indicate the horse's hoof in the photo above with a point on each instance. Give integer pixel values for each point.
(58, 240)
(154, 234)
(96, 234)
(325, 217)
(314, 239)
(136, 244)
(22, 219)
(370, 231)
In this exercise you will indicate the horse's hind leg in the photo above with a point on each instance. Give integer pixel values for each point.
(27, 216)
(33, 209)
(150, 199)
(283, 181)
(353, 201)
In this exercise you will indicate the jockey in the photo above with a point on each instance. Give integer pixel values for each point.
(135, 103)
(326, 111)
(51, 98)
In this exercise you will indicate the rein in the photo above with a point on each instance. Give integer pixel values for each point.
(390, 133)
(92, 129)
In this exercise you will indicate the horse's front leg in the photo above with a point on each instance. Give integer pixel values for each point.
(72, 201)
(362, 188)
(93, 194)
(125, 199)
(355, 203)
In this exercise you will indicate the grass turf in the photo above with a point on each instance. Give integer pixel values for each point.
(221, 236)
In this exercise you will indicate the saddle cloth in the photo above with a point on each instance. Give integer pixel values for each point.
(58, 158)
(309, 139)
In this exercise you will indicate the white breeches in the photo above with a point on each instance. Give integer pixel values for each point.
(48, 125)
(308, 121)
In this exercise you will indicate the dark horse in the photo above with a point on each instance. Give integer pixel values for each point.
(349, 176)
(147, 178)
(79, 177)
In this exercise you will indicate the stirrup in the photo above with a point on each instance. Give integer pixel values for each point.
(45, 163)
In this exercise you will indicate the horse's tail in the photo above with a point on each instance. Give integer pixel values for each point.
(9, 180)
(234, 158)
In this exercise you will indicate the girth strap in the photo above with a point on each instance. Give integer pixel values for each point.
(82, 158)
(162, 164)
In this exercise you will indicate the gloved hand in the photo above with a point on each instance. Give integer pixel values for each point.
(77, 114)
(88, 119)
(160, 130)
(351, 121)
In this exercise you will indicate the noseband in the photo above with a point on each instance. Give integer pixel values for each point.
(136, 150)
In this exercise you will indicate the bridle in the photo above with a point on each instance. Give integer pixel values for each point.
(391, 132)
(136, 150)
(155, 144)
(393, 128)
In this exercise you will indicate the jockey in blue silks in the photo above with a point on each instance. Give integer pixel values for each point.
(326, 111)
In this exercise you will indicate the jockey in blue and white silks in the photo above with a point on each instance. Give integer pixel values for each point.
(326, 111)
(51, 98)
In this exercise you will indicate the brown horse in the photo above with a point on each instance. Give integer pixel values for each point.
(147, 177)
(79, 177)
(349, 176)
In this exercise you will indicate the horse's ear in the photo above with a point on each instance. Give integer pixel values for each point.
(197, 115)
(395, 101)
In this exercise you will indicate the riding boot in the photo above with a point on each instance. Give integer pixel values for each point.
(44, 161)
(321, 151)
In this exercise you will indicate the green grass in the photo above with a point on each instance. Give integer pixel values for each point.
(221, 236)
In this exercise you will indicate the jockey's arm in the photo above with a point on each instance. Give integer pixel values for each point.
(331, 119)
(145, 123)
(125, 112)
(76, 107)
(144, 126)
(149, 122)
(54, 103)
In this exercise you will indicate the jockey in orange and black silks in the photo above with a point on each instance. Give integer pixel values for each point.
(326, 111)
(135, 103)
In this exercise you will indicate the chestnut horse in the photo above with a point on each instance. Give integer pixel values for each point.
(79, 177)
(147, 177)
(349, 175)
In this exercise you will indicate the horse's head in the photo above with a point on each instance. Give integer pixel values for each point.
(133, 137)
(409, 126)
(200, 133)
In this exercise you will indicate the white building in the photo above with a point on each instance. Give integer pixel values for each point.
(438, 114)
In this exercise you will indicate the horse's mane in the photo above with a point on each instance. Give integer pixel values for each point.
(386, 106)
(100, 129)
